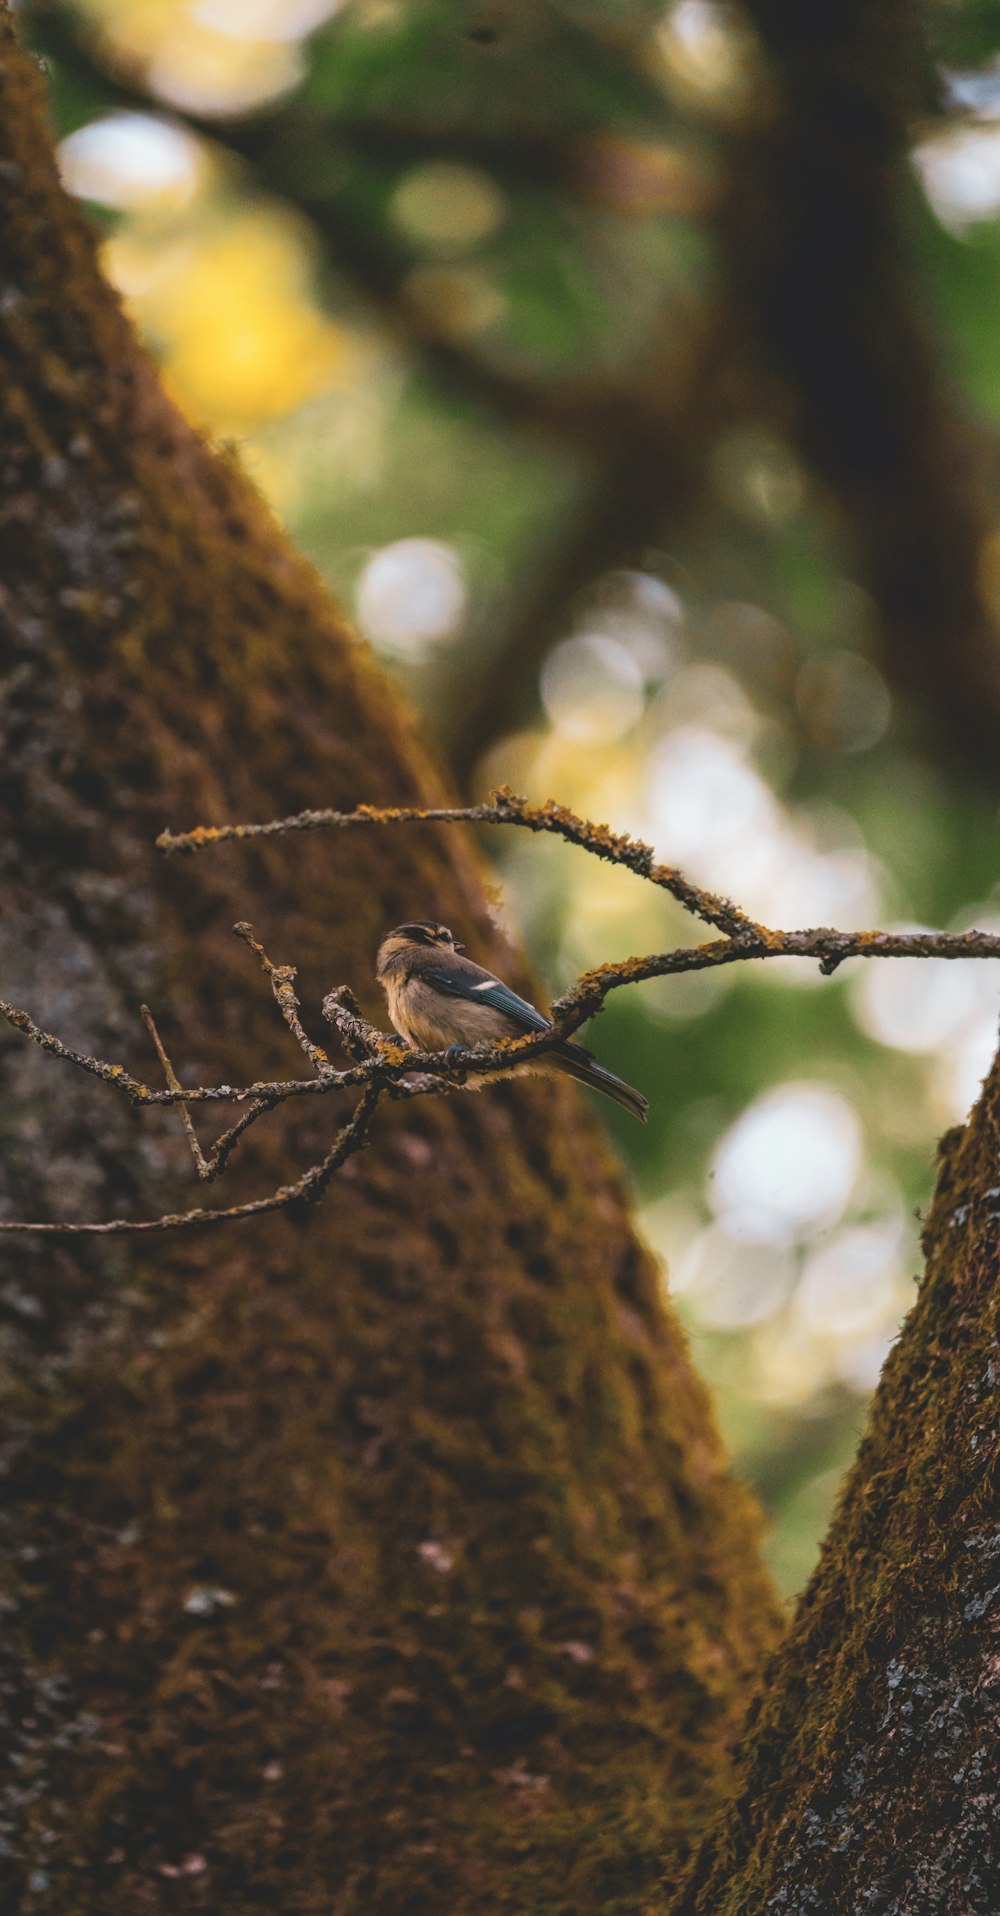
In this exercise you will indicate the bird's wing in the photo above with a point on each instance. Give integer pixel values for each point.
(466, 980)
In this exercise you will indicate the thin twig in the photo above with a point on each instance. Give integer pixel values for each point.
(210, 1167)
(365, 1042)
(282, 984)
(223, 1147)
(360, 1040)
(115, 1074)
(830, 948)
(142, 1094)
(307, 1189)
(395, 1062)
(504, 808)
(173, 1084)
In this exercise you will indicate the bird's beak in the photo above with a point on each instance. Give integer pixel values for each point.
(458, 947)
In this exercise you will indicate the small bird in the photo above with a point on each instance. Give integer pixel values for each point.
(438, 999)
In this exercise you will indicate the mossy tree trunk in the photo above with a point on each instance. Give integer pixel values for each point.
(379, 1559)
(872, 1778)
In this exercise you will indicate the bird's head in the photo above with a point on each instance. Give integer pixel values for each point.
(421, 933)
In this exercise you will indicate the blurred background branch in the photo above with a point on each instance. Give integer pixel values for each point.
(828, 270)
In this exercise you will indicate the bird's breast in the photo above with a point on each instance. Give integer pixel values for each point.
(431, 1020)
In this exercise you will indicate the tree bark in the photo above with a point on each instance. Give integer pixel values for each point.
(382, 1558)
(873, 1770)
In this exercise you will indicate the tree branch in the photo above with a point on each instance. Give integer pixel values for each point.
(307, 1189)
(505, 808)
(282, 984)
(213, 1166)
(386, 1065)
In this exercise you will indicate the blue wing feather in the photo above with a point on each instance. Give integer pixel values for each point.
(462, 979)
(466, 980)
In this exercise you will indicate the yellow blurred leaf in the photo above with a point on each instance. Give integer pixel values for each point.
(241, 339)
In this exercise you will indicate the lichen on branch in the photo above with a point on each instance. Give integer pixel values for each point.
(384, 1065)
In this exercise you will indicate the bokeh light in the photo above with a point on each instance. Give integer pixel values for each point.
(712, 58)
(730, 1285)
(963, 1066)
(641, 612)
(960, 173)
(914, 1004)
(843, 701)
(411, 596)
(462, 301)
(942, 1011)
(133, 160)
(446, 205)
(229, 302)
(787, 1167)
(759, 477)
(848, 1288)
(211, 56)
(708, 803)
(592, 687)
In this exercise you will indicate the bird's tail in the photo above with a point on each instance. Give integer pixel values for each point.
(579, 1064)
